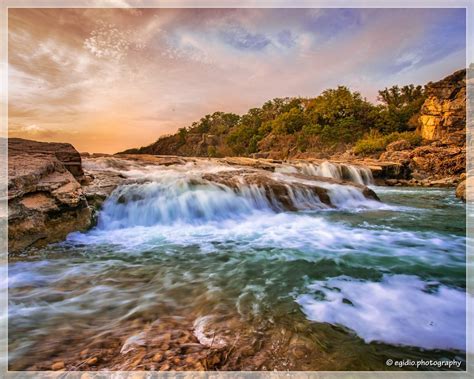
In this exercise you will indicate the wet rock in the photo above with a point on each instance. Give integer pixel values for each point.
(431, 162)
(280, 193)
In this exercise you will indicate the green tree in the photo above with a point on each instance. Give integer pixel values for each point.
(401, 107)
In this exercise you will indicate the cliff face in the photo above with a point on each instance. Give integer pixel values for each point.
(444, 110)
(442, 124)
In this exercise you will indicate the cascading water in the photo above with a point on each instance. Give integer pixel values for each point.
(179, 200)
(356, 174)
(175, 198)
(179, 257)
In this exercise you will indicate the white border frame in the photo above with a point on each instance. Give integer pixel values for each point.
(5, 4)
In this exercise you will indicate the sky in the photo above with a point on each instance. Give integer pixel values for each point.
(110, 79)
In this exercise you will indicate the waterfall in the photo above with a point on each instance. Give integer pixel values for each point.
(340, 171)
(174, 198)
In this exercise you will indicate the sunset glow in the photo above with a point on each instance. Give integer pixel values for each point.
(110, 79)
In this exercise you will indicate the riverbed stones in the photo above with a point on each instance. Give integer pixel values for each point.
(56, 366)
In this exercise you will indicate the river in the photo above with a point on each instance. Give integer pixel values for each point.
(319, 288)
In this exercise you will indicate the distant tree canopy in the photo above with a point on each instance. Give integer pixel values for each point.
(338, 117)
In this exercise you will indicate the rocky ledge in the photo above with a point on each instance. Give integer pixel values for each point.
(51, 193)
(45, 197)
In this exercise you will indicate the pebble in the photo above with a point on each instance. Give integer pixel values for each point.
(158, 357)
(92, 361)
(57, 366)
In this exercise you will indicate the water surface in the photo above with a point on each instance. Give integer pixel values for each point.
(318, 289)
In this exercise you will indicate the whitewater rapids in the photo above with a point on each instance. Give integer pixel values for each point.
(228, 257)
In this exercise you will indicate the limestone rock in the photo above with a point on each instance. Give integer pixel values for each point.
(444, 110)
(461, 191)
(45, 200)
(63, 152)
(398, 145)
(433, 161)
(281, 194)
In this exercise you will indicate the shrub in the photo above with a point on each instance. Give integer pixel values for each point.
(376, 142)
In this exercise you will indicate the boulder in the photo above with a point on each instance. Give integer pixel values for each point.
(461, 191)
(45, 199)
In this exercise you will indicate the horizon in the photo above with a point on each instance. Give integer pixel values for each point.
(122, 78)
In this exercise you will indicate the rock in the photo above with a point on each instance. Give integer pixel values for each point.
(91, 361)
(431, 162)
(279, 193)
(442, 122)
(56, 366)
(398, 145)
(99, 185)
(45, 200)
(444, 110)
(63, 152)
(260, 155)
(461, 191)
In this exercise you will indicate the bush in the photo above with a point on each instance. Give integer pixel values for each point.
(375, 142)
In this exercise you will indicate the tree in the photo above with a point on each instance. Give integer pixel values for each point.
(400, 107)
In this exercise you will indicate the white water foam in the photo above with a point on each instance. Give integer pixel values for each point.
(205, 337)
(286, 236)
(170, 195)
(398, 310)
(340, 171)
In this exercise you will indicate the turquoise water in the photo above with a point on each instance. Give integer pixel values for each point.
(353, 286)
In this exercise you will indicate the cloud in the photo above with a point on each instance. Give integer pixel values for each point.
(108, 79)
(33, 131)
(239, 38)
(286, 38)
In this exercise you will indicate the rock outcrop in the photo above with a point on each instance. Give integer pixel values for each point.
(442, 124)
(444, 110)
(434, 161)
(63, 152)
(45, 198)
